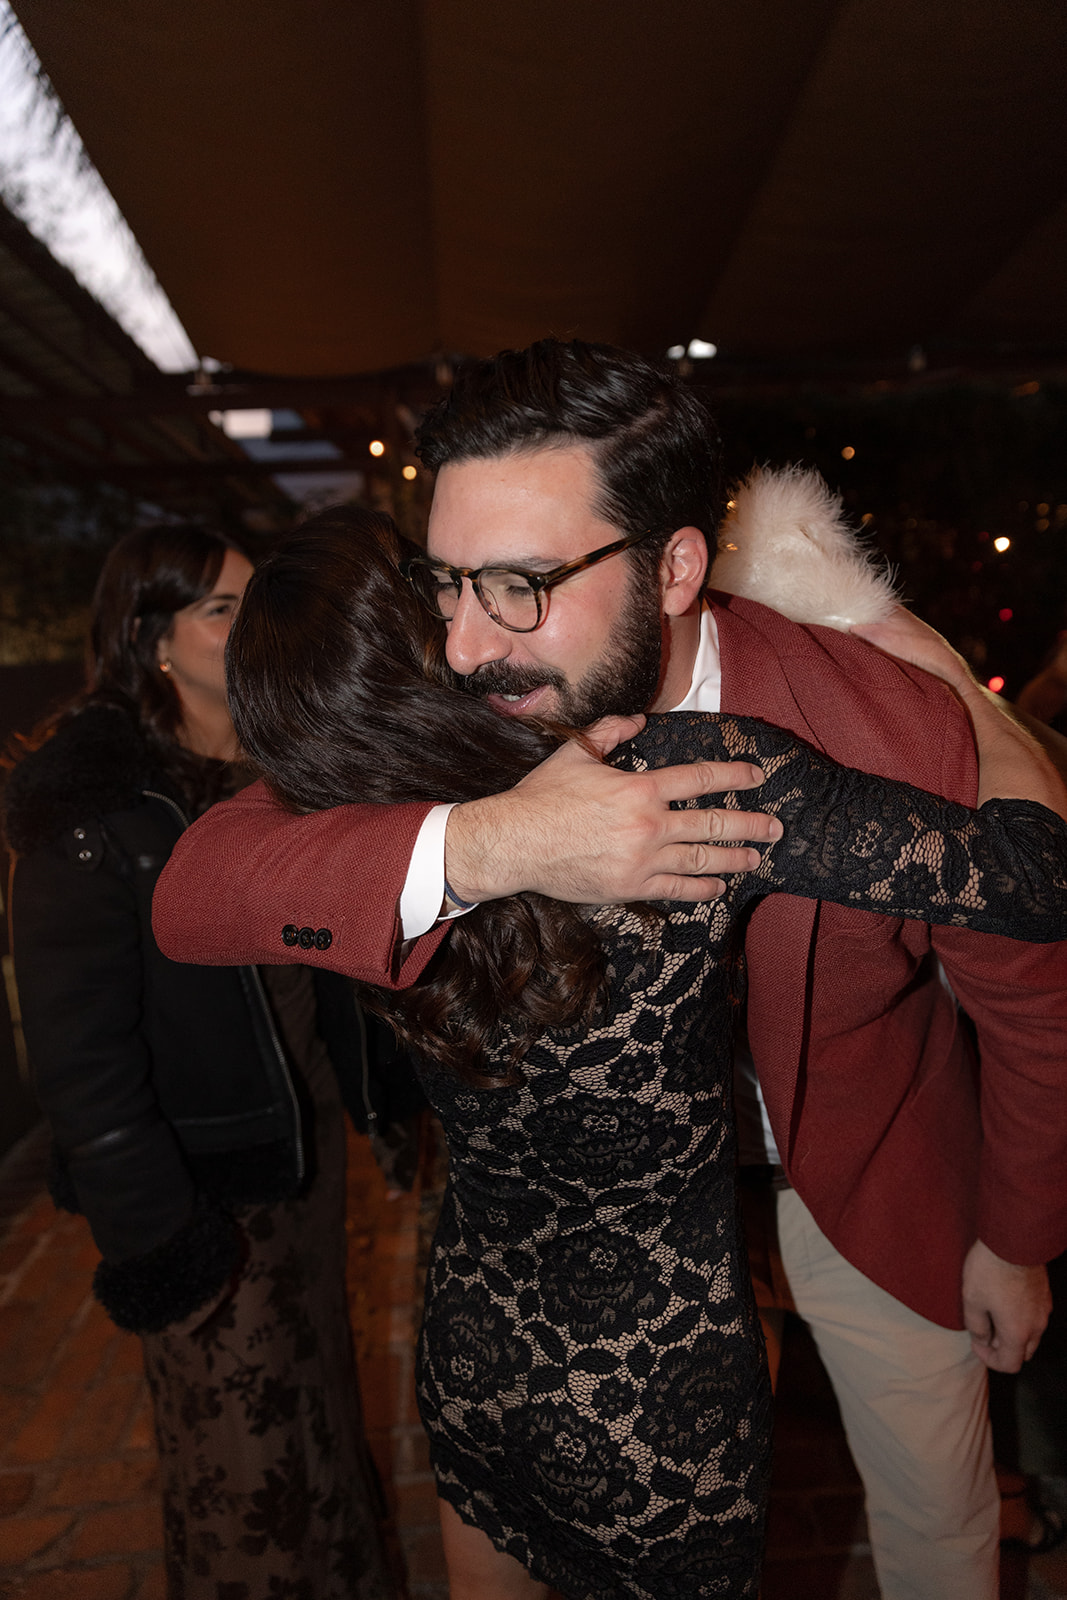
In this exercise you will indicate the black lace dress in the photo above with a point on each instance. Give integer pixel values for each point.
(591, 1371)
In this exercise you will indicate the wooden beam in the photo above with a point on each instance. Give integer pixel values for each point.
(152, 472)
(417, 387)
(185, 396)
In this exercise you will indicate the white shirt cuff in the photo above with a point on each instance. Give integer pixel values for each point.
(424, 887)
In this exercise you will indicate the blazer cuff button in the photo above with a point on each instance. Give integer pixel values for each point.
(290, 933)
(323, 939)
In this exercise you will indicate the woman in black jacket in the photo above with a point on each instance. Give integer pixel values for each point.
(195, 1111)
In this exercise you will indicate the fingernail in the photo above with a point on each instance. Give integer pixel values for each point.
(757, 774)
(776, 829)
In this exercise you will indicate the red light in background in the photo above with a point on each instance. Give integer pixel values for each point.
(996, 684)
(1005, 613)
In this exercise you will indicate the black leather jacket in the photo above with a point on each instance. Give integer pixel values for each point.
(167, 1086)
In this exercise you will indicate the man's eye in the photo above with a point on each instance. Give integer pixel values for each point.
(514, 585)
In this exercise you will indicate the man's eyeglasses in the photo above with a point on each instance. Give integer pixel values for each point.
(517, 600)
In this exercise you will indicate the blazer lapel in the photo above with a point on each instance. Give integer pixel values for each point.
(755, 677)
(781, 930)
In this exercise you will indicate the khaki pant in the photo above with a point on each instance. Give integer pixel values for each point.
(913, 1401)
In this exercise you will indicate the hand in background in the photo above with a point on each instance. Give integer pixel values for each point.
(1005, 1308)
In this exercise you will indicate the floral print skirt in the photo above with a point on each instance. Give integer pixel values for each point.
(269, 1492)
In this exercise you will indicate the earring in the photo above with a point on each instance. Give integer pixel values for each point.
(164, 666)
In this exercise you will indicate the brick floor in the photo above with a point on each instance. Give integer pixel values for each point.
(79, 1509)
(79, 1514)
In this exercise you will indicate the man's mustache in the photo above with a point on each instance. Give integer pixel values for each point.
(499, 678)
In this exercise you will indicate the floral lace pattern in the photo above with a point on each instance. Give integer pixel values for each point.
(269, 1491)
(591, 1373)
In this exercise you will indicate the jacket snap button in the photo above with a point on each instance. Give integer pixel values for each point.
(306, 938)
(85, 855)
(79, 833)
(323, 939)
(290, 933)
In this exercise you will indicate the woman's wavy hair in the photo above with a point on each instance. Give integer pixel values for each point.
(340, 692)
(149, 575)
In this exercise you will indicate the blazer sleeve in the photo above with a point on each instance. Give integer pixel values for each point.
(249, 878)
(1016, 996)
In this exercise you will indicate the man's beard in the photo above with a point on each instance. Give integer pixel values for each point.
(623, 681)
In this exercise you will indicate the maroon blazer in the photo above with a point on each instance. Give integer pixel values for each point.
(902, 1155)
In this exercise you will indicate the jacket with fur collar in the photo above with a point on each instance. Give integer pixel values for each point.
(166, 1085)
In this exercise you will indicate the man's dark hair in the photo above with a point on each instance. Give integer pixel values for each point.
(655, 445)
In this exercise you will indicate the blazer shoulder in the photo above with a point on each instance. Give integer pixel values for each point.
(859, 705)
(751, 627)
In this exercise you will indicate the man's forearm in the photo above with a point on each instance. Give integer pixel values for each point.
(1011, 763)
(250, 884)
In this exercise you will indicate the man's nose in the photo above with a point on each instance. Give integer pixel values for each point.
(474, 639)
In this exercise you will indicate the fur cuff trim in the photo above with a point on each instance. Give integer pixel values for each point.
(175, 1279)
(95, 763)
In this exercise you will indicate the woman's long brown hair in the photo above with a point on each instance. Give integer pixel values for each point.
(340, 692)
(149, 575)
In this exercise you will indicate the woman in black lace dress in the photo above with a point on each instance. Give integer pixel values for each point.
(591, 1375)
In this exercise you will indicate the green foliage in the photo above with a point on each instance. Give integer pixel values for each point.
(53, 540)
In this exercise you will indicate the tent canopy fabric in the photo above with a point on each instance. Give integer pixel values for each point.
(343, 186)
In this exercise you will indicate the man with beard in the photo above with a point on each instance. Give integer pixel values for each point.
(576, 495)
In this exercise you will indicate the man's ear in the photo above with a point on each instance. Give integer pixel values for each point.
(682, 571)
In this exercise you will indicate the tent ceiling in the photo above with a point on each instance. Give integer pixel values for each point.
(78, 394)
(343, 186)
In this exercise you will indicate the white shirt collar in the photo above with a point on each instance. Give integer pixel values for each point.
(705, 689)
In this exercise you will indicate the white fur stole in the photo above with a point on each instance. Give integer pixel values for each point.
(785, 542)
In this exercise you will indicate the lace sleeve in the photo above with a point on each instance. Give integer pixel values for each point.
(876, 844)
